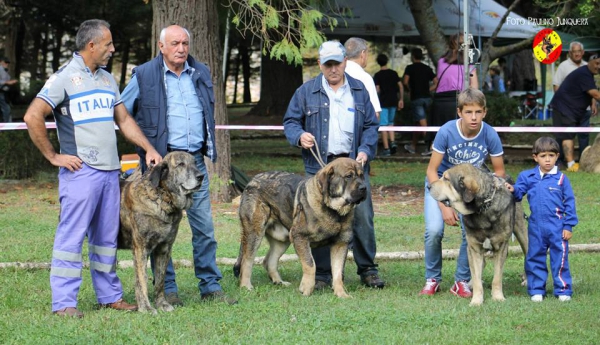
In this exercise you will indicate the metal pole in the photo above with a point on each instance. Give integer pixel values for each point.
(466, 44)
(480, 73)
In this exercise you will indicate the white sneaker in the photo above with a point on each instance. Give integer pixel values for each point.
(564, 298)
(537, 298)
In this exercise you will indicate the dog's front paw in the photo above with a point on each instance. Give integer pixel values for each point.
(247, 285)
(341, 294)
(307, 286)
(164, 306)
(476, 302)
(498, 297)
(281, 282)
(147, 309)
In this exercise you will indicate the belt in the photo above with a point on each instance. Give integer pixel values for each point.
(334, 157)
(172, 149)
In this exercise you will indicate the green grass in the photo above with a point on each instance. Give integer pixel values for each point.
(272, 314)
(280, 315)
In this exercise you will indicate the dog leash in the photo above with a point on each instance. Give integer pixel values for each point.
(318, 154)
(489, 200)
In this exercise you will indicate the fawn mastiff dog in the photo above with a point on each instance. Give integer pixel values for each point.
(313, 212)
(590, 157)
(151, 208)
(490, 216)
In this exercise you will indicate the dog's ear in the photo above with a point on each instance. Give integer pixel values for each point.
(469, 189)
(159, 172)
(323, 177)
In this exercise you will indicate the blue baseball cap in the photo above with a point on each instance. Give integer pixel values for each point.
(331, 50)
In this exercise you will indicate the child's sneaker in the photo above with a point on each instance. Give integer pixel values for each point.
(574, 168)
(393, 148)
(431, 287)
(461, 289)
(564, 298)
(537, 298)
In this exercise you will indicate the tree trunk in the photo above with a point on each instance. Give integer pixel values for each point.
(125, 49)
(245, 54)
(56, 53)
(201, 19)
(227, 64)
(44, 49)
(12, 33)
(278, 82)
(35, 69)
(429, 28)
(523, 71)
(236, 76)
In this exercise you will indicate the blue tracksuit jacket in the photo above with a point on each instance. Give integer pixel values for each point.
(552, 206)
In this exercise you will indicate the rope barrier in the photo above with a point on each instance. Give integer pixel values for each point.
(52, 125)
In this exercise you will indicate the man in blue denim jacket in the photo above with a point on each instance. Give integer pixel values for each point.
(334, 110)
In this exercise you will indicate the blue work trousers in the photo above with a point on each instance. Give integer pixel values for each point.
(89, 206)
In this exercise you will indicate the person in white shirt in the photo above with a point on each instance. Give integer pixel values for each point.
(357, 52)
(574, 61)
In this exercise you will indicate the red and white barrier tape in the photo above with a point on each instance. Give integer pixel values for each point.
(51, 125)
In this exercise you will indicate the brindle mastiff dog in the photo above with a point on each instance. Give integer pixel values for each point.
(151, 208)
(309, 213)
(490, 216)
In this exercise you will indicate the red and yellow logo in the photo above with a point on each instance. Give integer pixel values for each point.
(547, 46)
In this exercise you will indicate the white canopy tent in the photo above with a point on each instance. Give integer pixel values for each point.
(392, 18)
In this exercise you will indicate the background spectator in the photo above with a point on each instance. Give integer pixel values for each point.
(417, 78)
(391, 96)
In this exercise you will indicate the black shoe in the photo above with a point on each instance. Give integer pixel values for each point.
(393, 148)
(218, 296)
(372, 281)
(321, 285)
(173, 299)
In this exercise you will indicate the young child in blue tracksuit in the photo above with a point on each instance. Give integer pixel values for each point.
(551, 221)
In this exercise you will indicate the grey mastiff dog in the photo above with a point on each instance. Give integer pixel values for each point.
(313, 212)
(151, 208)
(490, 217)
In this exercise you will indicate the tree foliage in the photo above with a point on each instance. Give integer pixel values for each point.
(285, 27)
